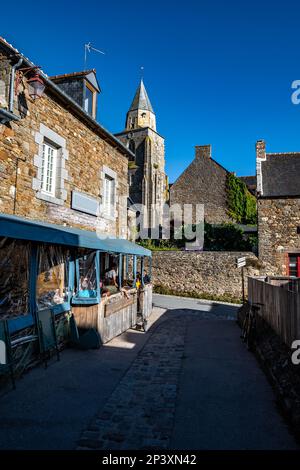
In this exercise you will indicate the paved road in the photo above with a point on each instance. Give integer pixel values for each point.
(188, 383)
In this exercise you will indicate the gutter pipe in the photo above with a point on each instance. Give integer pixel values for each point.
(12, 82)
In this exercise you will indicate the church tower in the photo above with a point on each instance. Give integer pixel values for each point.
(146, 170)
(141, 113)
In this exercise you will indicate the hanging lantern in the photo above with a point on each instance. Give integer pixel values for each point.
(36, 86)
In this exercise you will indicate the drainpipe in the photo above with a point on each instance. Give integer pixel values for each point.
(11, 87)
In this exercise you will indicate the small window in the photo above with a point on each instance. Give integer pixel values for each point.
(48, 176)
(88, 101)
(294, 265)
(109, 196)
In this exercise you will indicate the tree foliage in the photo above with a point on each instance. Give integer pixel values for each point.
(224, 237)
(241, 203)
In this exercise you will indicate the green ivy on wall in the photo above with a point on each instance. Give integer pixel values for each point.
(241, 203)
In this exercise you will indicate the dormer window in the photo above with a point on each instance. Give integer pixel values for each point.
(90, 100)
(82, 87)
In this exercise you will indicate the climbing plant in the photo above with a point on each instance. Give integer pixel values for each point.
(241, 203)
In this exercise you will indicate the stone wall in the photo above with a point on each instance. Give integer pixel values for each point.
(85, 155)
(202, 273)
(203, 182)
(278, 220)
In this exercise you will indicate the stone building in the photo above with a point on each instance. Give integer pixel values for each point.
(147, 178)
(203, 182)
(278, 201)
(57, 163)
(63, 190)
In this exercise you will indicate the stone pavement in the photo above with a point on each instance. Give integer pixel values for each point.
(140, 412)
(188, 382)
(194, 385)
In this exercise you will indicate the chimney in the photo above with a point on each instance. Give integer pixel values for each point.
(261, 149)
(203, 151)
(260, 157)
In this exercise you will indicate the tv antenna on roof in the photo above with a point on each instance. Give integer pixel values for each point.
(89, 48)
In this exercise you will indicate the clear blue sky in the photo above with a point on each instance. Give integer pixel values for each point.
(217, 72)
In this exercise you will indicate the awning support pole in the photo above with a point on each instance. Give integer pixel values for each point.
(120, 270)
(134, 270)
(150, 268)
(33, 273)
(142, 271)
(98, 273)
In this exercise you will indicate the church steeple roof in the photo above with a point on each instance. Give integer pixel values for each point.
(141, 99)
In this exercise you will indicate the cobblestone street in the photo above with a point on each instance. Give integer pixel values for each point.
(188, 383)
(140, 412)
(185, 390)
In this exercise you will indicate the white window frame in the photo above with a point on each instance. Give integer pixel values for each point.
(109, 196)
(108, 201)
(50, 137)
(48, 170)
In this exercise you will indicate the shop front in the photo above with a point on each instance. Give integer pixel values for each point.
(105, 283)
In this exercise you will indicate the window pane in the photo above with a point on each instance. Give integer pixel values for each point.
(14, 278)
(52, 281)
(109, 195)
(87, 285)
(88, 102)
(292, 265)
(48, 172)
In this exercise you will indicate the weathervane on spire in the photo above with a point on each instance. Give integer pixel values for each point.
(142, 72)
(89, 48)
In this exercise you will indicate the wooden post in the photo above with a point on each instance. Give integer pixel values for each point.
(120, 270)
(243, 285)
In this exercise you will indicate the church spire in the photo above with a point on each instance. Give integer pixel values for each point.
(140, 113)
(141, 99)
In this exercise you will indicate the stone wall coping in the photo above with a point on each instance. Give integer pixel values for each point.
(190, 252)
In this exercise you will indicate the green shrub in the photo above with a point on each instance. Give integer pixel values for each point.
(241, 203)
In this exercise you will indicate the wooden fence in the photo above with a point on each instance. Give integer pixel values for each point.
(281, 305)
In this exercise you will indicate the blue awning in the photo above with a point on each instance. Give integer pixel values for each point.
(25, 229)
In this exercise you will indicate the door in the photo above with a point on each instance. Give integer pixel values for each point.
(294, 265)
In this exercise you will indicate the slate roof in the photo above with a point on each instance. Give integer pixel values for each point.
(141, 99)
(250, 182)
(281, 175)
(83, 73)
(89, 75)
